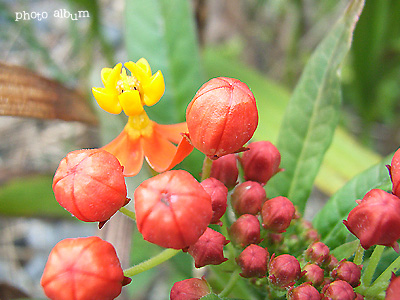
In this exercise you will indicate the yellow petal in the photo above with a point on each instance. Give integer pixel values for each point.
(144, 65)
(105, 72)
(112, 77)
(140, 71)
(107, 101)
(131, 102)
(154, 89)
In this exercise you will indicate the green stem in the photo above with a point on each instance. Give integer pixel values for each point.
(128, 213)
(231, 284)
(381, 283)
(359, 255)
(151, 263)
(206, 171)
(224, 230)
(372, 264)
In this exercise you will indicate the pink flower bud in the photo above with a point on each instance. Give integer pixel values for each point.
(190, 289)
(90, 185)
(172, 209)
(304, 291)
(393, 290)
(338, 290)
(333, 263)
(248, 198)
(314, 274)
(318, 253)
(83, 268)
(277, 213)
(225, 170)
(219, 195)
(349, 272)
(222, 117)
(209, 249)
(253, 261)
(245, 231)
(359, 297)
(394, 170)
(284, 270)
(376, 220)
(261, 162)
(309, 234)
(274, 238)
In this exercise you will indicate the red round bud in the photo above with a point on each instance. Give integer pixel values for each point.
(248, 198)
(275, 238)
(304, 291)
(219, 195)
(333, 263)
(261, 162)
(359, 297)
(349, 272)
(394, 170)
(313, 274)
(222, 117)
(338, 290)
(318, 253)
(277, 213)
(190, 289)
(225, 170)
(284, 270)
(209, 249)
(245, 231)
(376, 220)
(83, 268)
(90, 185)
(253, 261)
(393, 290)
(172, 209)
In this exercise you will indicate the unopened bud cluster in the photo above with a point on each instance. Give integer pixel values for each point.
(274, 247)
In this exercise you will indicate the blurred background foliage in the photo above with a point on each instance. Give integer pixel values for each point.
(265, 43)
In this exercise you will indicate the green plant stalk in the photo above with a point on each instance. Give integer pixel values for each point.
(231, 284)
(206, 170)
(128, 213)
(151, 263)
(381, 283)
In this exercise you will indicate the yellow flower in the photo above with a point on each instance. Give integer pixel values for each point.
(129, 92)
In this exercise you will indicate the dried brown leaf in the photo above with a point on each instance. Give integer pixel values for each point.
(24, 93)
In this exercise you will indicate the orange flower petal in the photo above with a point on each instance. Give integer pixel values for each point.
(172, 132)
(159, 152)
(184, 149)
(128, 151)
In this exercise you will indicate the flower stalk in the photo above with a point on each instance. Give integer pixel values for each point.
(151, 263)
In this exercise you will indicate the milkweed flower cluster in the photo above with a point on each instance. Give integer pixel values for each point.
(226, 220)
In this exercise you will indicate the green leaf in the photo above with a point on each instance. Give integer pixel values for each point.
(211, 297)
(345, 250)
(328, 220)
(163, 32)
(313, 113)
(30, 197)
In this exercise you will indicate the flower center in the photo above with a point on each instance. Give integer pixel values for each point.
(139, 125)
(127, 83)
